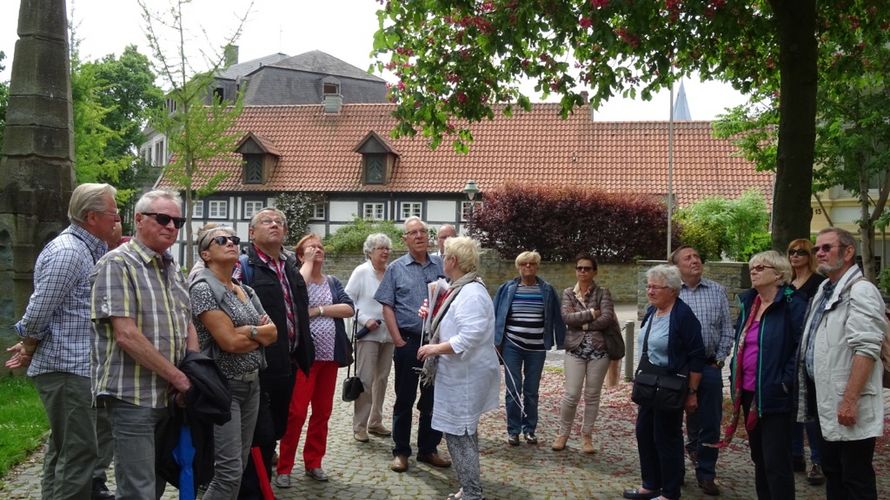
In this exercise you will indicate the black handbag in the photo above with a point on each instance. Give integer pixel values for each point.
(658, 387)
(352, 386)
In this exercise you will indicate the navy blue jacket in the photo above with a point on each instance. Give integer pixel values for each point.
(554, 328)
(781, 327)
(685, 346)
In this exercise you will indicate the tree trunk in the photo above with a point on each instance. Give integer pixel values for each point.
(792, 211)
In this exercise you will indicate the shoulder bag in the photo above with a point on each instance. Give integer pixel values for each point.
(352, 386)
(655, 386)
(611, 334)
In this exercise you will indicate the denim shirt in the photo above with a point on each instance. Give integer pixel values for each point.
(554, 328)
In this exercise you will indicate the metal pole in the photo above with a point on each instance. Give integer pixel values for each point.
(670, 186)
(629, 351)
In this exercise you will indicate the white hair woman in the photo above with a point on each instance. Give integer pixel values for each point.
(373, 351)
(461, 361)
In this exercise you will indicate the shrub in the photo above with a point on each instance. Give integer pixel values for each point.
(884, 280)
(560, 222)
(719, 227)
(298, 208)
(351, 237)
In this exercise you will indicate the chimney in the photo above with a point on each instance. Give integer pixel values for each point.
(230, 53)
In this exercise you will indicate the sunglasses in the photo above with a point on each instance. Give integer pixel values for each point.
(222, 240)
(800, 252)
(164, 219)
(826, 247)
(760, 267)
(585, 269)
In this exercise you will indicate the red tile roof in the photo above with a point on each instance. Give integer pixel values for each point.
(317, 154)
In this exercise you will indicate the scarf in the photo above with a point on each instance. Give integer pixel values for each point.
(443, 302)
(736, 392)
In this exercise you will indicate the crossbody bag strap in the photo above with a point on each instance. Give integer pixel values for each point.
(646, 336)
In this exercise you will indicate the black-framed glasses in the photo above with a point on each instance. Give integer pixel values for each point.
(221, 240)
(760, 267)
(164, 219)
(826, 247)
(800, 252)
(585, 269)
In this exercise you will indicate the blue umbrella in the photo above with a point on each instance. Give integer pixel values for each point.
(184, 454)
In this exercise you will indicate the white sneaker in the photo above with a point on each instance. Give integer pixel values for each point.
(282, 480)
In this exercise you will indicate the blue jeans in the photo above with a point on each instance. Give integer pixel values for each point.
(522, 385)
(814, 438)
(708, 419)
(134, 429)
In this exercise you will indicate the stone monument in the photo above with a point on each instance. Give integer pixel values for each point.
(36, 166)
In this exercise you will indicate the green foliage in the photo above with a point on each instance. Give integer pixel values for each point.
(351, 237)
(884, 280)
(718, 226)
(23, 421)
(298, 208)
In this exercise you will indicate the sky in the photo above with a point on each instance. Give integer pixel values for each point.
(342, 28)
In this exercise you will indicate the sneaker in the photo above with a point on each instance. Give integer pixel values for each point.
(317, 474)
(513, 439)
(799, 464)
(816, 477)
(530, 438)
(282, 480)
(361, 436)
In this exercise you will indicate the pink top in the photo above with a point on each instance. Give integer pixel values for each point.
(749, 357)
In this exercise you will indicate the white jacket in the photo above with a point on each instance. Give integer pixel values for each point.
(853, 323)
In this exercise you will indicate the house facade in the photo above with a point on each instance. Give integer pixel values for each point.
(348, 159)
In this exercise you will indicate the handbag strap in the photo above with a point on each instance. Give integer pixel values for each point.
(646, 336)
(352, 343)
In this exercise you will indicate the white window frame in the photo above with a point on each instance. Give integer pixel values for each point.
(217, 209)
(377, 210)
(319, 212)
(465, 209)
(409, 209)
(258, 204)
(197, 209)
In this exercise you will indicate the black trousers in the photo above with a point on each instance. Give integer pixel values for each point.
(406, 382)
(848, 469)
(770, 443)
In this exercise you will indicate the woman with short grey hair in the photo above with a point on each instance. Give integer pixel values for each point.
(374, 348)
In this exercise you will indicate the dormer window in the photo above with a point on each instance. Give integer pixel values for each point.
(331, 88)
(378, 159)
(259, 158)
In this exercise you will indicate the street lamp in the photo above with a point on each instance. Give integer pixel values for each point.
(470, 189)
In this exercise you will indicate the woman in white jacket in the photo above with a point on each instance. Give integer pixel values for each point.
(461, 360)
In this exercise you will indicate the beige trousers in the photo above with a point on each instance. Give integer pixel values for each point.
(589, 375)
(373, 363)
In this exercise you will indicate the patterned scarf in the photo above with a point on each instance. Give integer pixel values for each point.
(736, 392)
(443, 302)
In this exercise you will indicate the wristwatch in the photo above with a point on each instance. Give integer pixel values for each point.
(719, 364)
(252, 332)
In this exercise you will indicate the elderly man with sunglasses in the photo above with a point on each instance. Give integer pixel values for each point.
(142, 329)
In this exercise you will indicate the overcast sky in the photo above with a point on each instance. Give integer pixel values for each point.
(342, 28)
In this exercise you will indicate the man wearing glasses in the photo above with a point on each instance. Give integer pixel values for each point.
(402, 291)
(709, 302)
(273, 272)
(142, 328)
(56, 336)
(840, 369)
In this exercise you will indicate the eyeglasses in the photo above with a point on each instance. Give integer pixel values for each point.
(222, 240)
(384, 249)
(528, 264)
(164, 219)
(826, 247)
(269, 222)
(115, 215)
(656, 287)
(585, 269)
(416, 232)
(760, 267)
(800, 252)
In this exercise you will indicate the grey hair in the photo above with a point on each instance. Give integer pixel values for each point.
(256, 217)
(87, 197)
(779, 263)
(667, 273)
(844, 237)
(375, 240)
(145, 202)
(415, 218)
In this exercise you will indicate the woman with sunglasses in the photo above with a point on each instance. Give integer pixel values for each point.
(587, 311)
(762, 378)
(806, 280)
(232, 329)
(329, 304)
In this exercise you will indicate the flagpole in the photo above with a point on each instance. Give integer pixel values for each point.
(670, 183)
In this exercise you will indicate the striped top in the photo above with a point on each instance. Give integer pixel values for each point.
(133, 281)
(525, 321)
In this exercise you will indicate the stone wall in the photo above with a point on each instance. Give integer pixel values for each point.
(732, 275)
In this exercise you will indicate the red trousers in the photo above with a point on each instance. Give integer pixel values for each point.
(316, 389)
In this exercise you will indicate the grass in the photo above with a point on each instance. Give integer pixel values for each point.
(22, 421)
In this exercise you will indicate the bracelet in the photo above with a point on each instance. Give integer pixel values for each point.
(252, 332)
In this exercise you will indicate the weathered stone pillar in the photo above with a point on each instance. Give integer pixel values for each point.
(36, 169)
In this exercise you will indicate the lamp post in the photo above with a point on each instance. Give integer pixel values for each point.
(471, 190)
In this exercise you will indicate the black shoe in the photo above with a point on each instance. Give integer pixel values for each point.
(513, 439)
(816, 477)
(799, 464)
(100, 491)
(530, 438)
(709, 487)
(637, 493)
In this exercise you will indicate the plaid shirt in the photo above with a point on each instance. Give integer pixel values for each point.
(58, 313)
(133, 281)
(711, 306)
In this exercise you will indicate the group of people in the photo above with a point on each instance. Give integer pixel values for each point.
(106, 333)
(806, 353)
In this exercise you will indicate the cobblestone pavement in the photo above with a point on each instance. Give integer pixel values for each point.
(361, 470)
